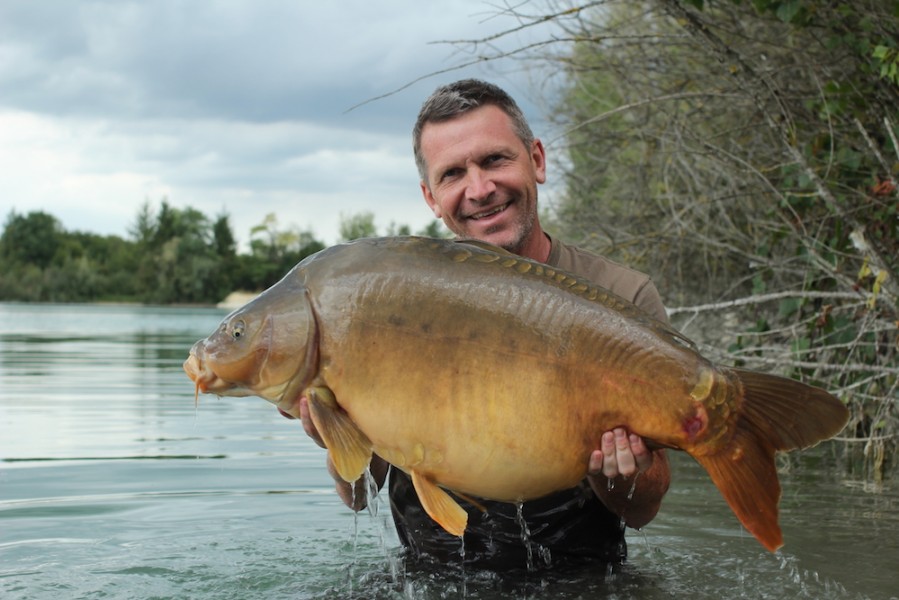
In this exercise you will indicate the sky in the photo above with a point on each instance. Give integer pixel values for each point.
(241, 107)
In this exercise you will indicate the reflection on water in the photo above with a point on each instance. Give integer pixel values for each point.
(113, 484)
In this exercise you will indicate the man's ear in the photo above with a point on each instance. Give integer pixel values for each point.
(538, 159)
(429, 199)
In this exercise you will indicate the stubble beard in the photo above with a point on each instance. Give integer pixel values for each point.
(524, 226)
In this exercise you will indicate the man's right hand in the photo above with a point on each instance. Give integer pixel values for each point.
(354, 498)
(308, 425)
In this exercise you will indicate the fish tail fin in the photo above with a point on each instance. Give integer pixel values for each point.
(777, 414)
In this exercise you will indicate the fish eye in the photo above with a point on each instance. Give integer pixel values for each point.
(237, 330)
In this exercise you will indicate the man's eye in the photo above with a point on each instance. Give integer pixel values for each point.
(450, 174)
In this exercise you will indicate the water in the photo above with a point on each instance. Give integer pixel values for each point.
(114, 485)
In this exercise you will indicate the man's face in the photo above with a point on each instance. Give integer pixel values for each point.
(482, 180)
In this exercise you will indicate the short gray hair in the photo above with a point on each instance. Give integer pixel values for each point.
(455, 99)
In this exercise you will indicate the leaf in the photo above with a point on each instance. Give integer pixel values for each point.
(843, 331)
(787, 11)
(788, 306)
(800, 346)
(758, 284)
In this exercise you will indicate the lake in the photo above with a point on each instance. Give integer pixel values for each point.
(114, 484)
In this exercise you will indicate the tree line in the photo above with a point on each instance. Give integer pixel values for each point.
(172, 256)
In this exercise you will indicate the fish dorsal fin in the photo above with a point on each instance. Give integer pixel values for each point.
(349, 447)
(486, 246)
(439, 505)
(583, 287)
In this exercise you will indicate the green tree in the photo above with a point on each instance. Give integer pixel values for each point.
(30, 239)
(435, 229)
(273, 252)
(359, 225)
(184, 257)
(144, 225)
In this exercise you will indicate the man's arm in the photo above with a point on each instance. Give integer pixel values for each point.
(621, 457)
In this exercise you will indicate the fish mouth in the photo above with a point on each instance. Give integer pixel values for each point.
(206, 380)
(203, 377)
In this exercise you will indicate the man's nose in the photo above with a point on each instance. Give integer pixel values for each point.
(480, 185)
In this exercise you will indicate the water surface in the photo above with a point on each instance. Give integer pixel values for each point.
(113, 484)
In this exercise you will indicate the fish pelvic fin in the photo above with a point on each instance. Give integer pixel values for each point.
(349, 448)
(777, 414)
(439, 505)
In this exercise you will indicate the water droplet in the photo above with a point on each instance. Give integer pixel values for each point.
(525, 534)
(630, 493)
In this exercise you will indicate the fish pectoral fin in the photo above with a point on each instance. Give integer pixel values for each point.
(349, 448)
(439, 505)
(471, 501)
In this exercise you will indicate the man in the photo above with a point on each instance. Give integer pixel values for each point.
(480, 166)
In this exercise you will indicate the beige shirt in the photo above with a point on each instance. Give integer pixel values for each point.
(631, 285)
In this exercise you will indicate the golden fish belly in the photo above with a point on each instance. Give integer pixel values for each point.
(505, 405)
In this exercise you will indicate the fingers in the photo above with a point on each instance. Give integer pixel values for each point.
(308, 425)
(595, 466)
(642, 454)
(620, 454)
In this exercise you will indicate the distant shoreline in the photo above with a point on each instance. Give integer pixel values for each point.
(236, 299)
(232, 301)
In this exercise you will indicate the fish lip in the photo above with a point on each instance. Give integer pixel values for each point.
(490, 212)
(194, 368)
(203, 377)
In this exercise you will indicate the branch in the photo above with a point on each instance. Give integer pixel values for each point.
(646, 101)
(761, 298)
(533, 22)
(804, 364)
(759, 87)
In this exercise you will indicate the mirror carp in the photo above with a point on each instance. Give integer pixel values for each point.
(485, 374)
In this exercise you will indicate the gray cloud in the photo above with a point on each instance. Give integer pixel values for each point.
(230, 105)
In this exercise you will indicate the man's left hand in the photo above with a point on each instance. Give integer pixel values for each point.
(620, 453)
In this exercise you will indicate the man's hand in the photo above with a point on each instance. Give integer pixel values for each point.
(620, 454)
(623, 455)
(308, 425)
(352, 494)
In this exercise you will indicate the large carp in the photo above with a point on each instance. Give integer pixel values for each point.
(484, 373)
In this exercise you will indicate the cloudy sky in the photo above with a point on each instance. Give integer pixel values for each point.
(235, 106)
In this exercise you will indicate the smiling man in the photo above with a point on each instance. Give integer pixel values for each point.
(480, 166)
(481, 178)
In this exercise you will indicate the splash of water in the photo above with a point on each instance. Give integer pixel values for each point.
(542, 551)
(525, 533)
